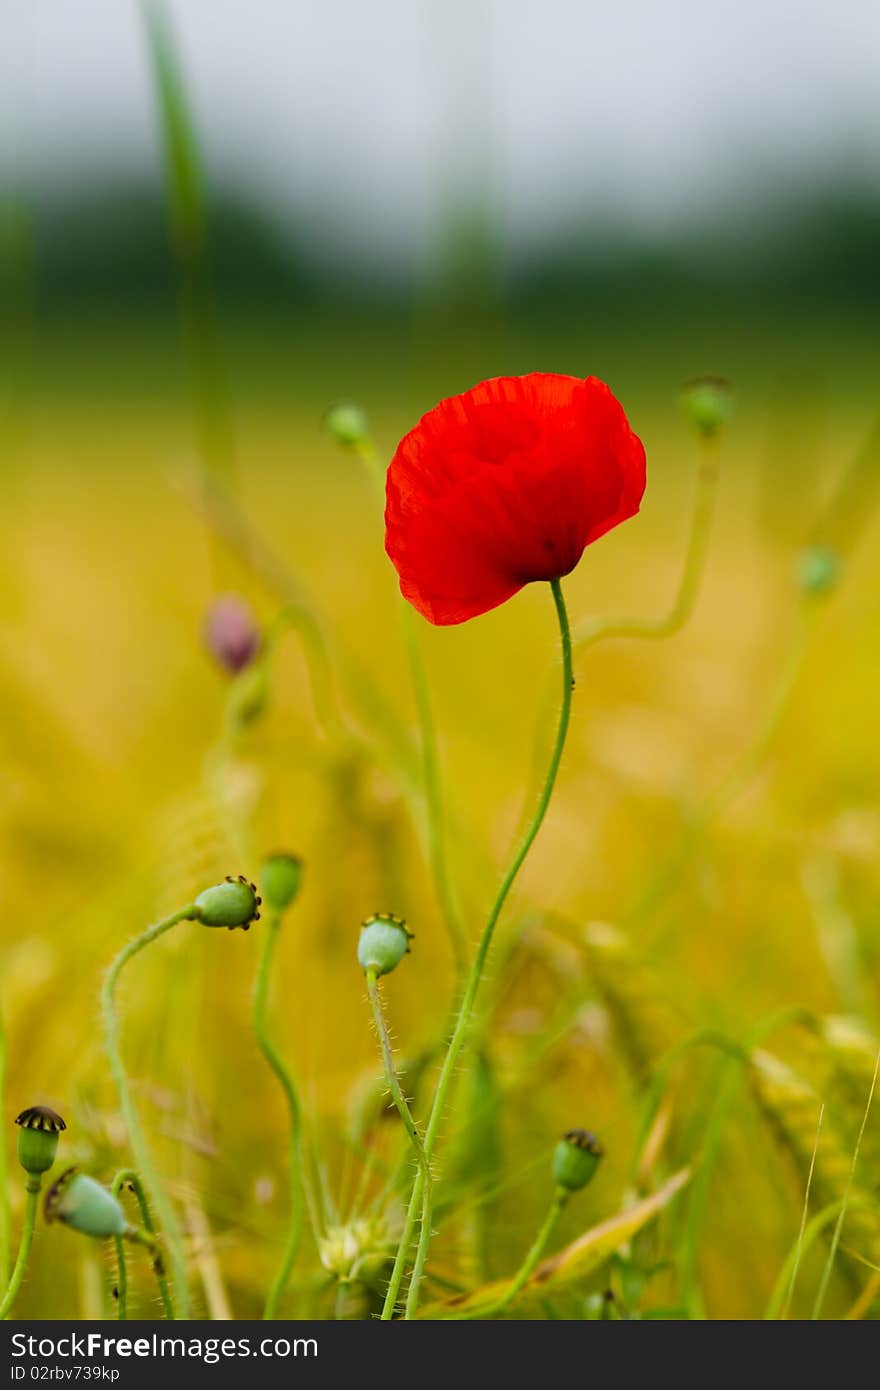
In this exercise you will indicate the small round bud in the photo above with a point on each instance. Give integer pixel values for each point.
(232, 903)
(818, 570)
(383, 942)
(83, 1204)
(576, 1158)
(707, 403)
(347, 423)
(232, 635)
(38, 1135)
(280, 880)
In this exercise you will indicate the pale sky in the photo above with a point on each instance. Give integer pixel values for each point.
(356, 117)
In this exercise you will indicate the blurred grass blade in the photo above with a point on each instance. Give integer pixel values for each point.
(854, 501)
(575, 1261)
(187, 203)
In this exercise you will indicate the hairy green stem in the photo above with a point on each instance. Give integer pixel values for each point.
(294, 1111)
(168, 1223)
(393, 1082)
(32, 1187)
(472, 985)
(127, 1177)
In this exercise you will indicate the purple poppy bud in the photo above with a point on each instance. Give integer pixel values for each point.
(231, 633)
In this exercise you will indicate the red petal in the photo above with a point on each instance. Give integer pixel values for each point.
(504, 485)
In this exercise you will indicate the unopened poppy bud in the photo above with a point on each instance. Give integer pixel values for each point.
(576, 1158)
(707, 403)
(280, 880)
(383, 943)
(347, 423)
(39, 1130)
(818, 570)
(232, 635)
(83, 1204)
(232, 903)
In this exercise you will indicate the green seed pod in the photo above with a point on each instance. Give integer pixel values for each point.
(576, 1158)
(707, 403)
(232, 903)
(818, 570)
(280, 880)
(347, 423)
(80, 1202)
(38, 1135)
(383, 943)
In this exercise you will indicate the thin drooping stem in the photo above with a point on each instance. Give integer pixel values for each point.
(32, 1187)
(838, 1227)
(5, 1219)
(127, 1177)
(294, 1111)
(526, 1269)
(475, 976)
(168, 1223)
(594, 630)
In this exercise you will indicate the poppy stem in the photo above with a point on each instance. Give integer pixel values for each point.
(526, 1269)
(32, 1187)
(167, 1219)
(472, 986)
(294, 1111)
(393, 1082)
(127, 1177)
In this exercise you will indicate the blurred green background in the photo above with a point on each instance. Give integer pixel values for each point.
(109, 808)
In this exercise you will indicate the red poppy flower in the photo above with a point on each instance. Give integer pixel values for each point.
(504, 485)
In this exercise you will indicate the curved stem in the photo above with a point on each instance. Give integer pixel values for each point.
(533, 1255)
(595, 630)
(127, 1177)
(168, 1222)
(476, 972)
(32, 1188)
(277, 1065)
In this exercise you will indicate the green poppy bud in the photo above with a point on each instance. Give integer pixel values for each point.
(383, 943)
(38, 1138)
(347, 423)
(818, 570)
(280, 880)
(707, 403)
(232, 903)
(80, 1202)
(576, 1158)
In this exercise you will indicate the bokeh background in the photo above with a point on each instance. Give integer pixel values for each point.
(392, 202)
